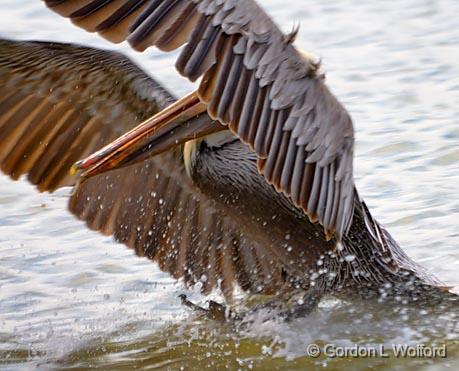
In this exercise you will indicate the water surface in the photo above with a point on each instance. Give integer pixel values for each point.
(72, 298)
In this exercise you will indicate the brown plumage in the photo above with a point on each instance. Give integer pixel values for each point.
(224, 224)
(58, 103)
(254, 80)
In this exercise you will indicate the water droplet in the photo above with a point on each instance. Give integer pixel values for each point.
(349, 258)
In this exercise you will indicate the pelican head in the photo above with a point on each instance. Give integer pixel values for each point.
(194, 147)
(184, 122)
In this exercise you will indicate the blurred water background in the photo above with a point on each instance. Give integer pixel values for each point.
(71, 298)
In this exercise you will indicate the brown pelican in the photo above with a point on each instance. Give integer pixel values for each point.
(246, 181)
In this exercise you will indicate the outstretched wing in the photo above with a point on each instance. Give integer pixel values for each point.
(255, 81)
(59, 102)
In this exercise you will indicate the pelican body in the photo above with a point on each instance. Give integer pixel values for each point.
(245, 182)
(225, 169)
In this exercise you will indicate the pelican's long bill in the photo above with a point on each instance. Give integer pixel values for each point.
(181, 121)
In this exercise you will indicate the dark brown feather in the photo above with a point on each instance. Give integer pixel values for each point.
(269, 59)
(152, 207)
